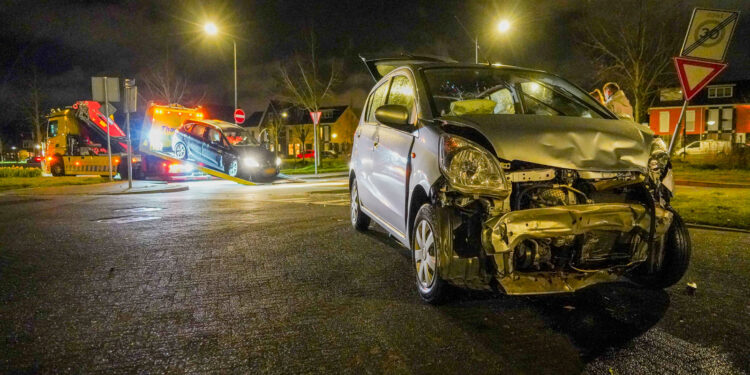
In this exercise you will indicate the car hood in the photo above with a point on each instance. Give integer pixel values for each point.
(565, 142)
(254, 151)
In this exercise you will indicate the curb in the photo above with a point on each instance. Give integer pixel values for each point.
(712, 227)
(711, 184)
(173, 189)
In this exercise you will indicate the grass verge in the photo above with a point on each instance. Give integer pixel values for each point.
(714, 206)
(327, 166)
(685, 171)
(10, 183)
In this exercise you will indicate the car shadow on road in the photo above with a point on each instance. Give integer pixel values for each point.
(595, 320)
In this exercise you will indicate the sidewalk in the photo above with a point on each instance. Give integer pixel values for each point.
(107, 188)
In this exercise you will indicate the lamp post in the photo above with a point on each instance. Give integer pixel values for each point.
(211, 29)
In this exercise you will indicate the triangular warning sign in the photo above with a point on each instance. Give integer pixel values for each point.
(315, 116)
(696, 74)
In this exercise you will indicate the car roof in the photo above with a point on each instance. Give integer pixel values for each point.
(221, 125)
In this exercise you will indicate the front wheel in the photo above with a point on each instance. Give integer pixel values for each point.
(232, 168)
(57, 169)
(425, 247)
(676, 258)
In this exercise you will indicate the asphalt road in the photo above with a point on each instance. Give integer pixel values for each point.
(247, 279)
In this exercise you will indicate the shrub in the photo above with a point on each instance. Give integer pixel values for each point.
(20, 172)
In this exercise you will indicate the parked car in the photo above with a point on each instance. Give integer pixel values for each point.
(34, 162)
(511, 179)
(225, 147)
(705, 147)
(309, 154)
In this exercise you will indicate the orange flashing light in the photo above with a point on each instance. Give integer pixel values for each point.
(77, 163)
(116, 161)
(49, 158)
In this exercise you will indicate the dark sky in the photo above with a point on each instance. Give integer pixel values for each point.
(67, 42)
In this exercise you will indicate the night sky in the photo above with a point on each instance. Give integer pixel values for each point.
(66, 42)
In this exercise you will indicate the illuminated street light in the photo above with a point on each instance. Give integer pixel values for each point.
(503, 26)
(284, 114)
(211, 29)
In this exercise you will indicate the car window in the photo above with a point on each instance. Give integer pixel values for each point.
(401, 93)
(540, 99)
(488, 91)
(198, 131)
(186, 128)
(376, 100)
(53, 128)
(214, 135)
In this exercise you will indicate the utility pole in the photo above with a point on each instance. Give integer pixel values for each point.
(131, 95)
(106, 114)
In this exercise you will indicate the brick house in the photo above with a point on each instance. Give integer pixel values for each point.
(721, 111)
(335, 130)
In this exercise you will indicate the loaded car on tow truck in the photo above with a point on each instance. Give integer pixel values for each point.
(511, 179)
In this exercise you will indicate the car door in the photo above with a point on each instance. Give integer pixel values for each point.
(392, 148)
(364, 146)
(214, 148)
(195, 141)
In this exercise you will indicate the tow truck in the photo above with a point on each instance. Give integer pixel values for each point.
(77, 136)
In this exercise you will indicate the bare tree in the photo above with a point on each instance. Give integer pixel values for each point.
(165, 85)
(33, 107)
(302, 133)
(275, 125)
(632, 48)
(303, 82)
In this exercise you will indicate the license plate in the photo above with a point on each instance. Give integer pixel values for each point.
(270, 171)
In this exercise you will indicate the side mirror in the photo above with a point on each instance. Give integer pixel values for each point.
(393, 115)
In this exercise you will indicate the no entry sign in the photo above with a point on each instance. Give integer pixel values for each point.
(239, 116)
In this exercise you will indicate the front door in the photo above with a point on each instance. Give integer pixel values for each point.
(364, 141)
(195, 142)
(213, 148)
(391, 159)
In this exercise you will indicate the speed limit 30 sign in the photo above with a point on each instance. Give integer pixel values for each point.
(709, 34)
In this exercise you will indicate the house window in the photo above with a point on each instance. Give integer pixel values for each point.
(327, 114)
(664, 122)
(720, 92)
(713, 120)
(690, 121)
(727, 115)
(291, 149)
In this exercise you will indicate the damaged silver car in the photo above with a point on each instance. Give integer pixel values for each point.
(510, 179)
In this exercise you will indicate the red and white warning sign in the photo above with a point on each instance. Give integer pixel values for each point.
(239, 116)
(696, 74)
(315, 116)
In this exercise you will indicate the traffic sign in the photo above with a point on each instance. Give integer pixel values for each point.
(239, 116)
(696, 74)
(315, 116)
(709, 34)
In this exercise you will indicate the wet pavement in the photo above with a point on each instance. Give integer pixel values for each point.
(226, 278)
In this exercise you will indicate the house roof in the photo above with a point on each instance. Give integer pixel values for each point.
(740, 94)
(296, 115)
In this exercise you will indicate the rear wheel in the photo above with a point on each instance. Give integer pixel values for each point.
(57, 169)
(180, 151)
(360, 221)
(425, 247)
(676, 258)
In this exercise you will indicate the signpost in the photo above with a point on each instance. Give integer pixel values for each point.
(106, 89)
(315, 116)
(703, 53)
(239, 116)
(131, 99)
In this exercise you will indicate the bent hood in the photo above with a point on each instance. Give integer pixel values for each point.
(565, 142)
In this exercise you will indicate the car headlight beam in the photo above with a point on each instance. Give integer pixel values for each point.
(278, 162)
(250, 162)
(470, 168)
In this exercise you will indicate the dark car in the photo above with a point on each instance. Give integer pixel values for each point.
(225, 147)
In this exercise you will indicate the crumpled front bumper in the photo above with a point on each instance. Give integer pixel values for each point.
(509, 230)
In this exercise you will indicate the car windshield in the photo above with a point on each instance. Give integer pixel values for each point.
(462, 91)
(239, 137)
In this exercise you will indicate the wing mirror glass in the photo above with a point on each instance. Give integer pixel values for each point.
(393, 115)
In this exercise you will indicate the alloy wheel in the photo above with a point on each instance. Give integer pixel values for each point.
(180, 151)
(354, 204)
(233, 168)
(425, 255)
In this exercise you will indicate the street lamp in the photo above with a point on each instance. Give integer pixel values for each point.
(211, 29)
(503, 26)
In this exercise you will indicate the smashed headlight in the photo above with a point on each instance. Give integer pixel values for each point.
(470, 168)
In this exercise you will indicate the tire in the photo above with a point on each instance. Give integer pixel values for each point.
(677, 249)
(57, 169)
(360, 220)
(425, 244)
(232, 168)
(180, 151)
